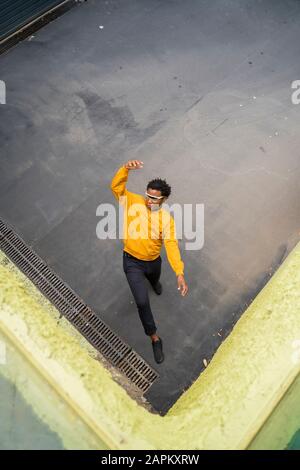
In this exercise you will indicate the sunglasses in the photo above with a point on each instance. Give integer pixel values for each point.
(153, 198)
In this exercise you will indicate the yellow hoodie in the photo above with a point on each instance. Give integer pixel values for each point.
(144, 230)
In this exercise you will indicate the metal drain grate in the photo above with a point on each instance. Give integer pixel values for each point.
(17, 22)
(110, 345)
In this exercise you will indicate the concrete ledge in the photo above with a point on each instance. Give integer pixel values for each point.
(48, 420)
(224, 408)
(281, 430)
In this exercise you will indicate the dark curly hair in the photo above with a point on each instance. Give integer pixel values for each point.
(160, 185)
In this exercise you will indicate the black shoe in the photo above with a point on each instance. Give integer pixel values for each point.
(158, 351)
(157, 288)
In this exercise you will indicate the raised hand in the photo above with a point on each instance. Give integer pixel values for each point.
(134, 165)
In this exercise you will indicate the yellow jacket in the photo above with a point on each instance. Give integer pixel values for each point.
(145, 230)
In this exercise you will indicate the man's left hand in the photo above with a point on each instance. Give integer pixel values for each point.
(182, 285)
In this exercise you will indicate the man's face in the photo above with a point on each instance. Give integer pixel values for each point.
(153, 199)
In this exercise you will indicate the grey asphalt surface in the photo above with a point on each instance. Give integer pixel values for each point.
(201, 92)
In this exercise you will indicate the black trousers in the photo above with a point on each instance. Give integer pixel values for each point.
(137, 271)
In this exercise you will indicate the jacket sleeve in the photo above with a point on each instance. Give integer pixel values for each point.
(171, 247)
(118, 183)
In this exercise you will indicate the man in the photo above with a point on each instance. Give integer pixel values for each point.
(141, 254)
